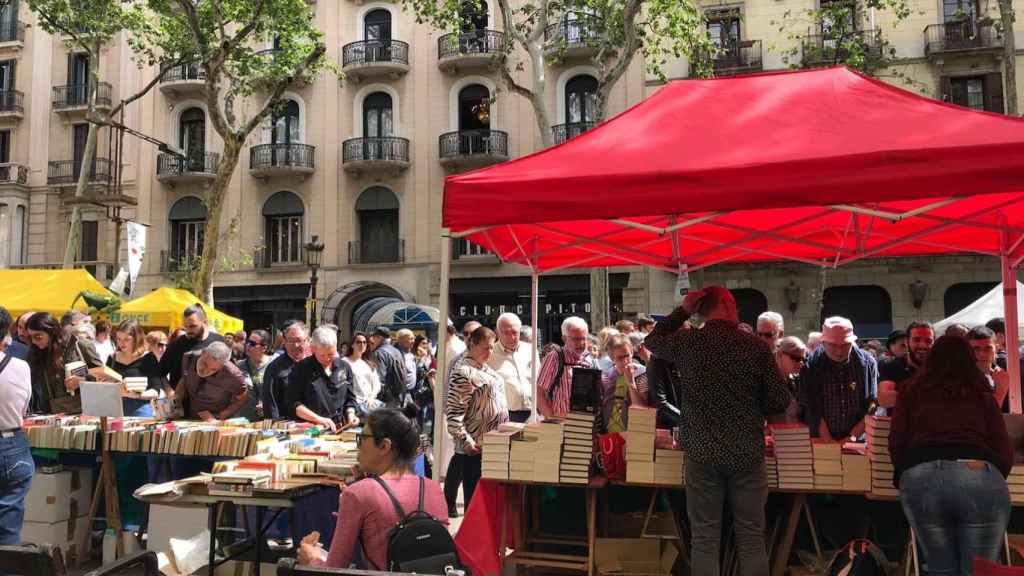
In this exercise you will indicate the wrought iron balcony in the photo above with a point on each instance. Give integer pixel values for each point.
(574, 36)
(476, 49)
(831, 49)
(361, 253)
(12, 103)
(964, 36)
(379, 154)
(175, 169)
(374, 58)
(66, 172)
(13, 174)
(565, 132)
(76, 97)
(12, 31)
(738, 58)
(472, 148)
(183, 78)
(282, 159)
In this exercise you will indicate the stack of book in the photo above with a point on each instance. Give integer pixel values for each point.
(521, 458)
(771, 465)
(238, 482)
(640, 445)
(793, 456)
(828, 466)
(669, 467)
(1015, 481)
(578, 448)
(62, 432)
(547, 458)
(856, 468)
(496, 446)
(136, 384)
(877, 428)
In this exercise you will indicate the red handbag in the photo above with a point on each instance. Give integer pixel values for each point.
(613, 455)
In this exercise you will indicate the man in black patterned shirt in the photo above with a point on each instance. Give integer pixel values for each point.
(729, 383)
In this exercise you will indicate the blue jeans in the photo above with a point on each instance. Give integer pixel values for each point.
(16, 470)
(958, 513)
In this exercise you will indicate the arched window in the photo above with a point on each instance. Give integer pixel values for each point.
(285, 124)
(377, 25)
(749, 303)
(377, 115)
(474, 108)
(188, 222)
(580, 99)
(961, 295)
(868, 307)
(377, 213)
(192, 135)
(282, 214)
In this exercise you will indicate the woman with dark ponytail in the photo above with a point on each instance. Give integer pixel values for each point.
(388, 446)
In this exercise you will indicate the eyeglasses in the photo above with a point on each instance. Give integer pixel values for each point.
(161, 344)
(799, 359)
(767, 335)
(357, 342)
(253, 344)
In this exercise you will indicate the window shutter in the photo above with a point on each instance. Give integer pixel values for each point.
(11, 84)
(71, 68)
(994, 93)
(945, 89)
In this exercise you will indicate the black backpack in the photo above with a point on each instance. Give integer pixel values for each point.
(418, 542)
(858, 558)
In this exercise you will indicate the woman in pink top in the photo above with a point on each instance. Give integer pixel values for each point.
(388, 446)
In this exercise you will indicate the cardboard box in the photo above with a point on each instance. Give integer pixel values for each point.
(634, 557)
(65, 535)
(58, 497)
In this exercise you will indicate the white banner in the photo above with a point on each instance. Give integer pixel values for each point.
(136, 250)
(118, 285)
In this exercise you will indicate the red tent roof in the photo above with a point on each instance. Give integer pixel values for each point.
(824, 166)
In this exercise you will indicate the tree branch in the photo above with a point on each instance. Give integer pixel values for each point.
(242, 34)
(506, 17)
(64, 30)
(145, 89)
(537, 34)
(511, 82)
(279, 88)
(222, 32)
(631, 43)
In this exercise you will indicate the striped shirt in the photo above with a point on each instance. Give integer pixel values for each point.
(475, 404)
(558, 406)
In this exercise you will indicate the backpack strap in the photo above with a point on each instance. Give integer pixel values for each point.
(390, 494)
(557, 381)
(7, 360)
(419, 507)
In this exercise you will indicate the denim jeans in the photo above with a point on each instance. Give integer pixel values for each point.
(707, 489)
(16, 470)
(958, 513)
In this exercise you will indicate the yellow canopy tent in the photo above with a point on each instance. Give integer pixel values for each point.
(163, 308)
(50, 291)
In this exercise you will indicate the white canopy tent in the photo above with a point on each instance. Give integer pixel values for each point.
(982, 310)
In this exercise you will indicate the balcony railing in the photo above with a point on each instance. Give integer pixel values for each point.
(64, 172)
(473, 142)
(565, 132)
(76, 95)
(267, 53)
(962, 36)
(739, 57)
(269, 156)
(582, 29)
(12, 31)
(174, 260)
(11, 173)
(375, 52)
(391, 253)
(827, 49)
(470, 43)
(386, 149)
(184, 72)
(169, 165)
(12, 101)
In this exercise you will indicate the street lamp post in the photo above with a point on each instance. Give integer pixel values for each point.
(314, 252)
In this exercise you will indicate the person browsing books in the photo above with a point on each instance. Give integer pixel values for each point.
(320, 388)
(211, 387)
(197, 335)
(54, 389)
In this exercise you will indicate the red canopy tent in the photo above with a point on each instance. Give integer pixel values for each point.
(824, 167)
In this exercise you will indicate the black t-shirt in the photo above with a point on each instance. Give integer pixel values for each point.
(170, 363)
(328, 396)
(898, 370)
(144, 366)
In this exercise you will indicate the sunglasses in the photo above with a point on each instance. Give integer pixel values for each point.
(253, 344)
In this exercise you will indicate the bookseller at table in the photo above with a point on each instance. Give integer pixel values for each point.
(320, 387)
(211, 387)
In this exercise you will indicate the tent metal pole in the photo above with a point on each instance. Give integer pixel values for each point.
(534, 314)
(1010, 316)
(441, 376)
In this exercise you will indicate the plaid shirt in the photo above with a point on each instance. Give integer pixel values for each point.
(841, 398)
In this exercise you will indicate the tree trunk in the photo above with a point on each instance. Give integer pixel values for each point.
(1009, 56)
(538, 92)
(604, 90)
(202, 278)
(84, 176)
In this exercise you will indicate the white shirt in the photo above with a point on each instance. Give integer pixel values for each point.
(454, 347)
(104, 349)
(367, 384)
(15, 392)
(515, 369)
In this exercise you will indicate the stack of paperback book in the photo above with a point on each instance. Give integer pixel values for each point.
(640, 445)
(669, 467)
(771, 465)
(793, 456)
(877, 428)
(828, 466)
(578, 449)
(521, 458)
(496, 447)
(548, 449)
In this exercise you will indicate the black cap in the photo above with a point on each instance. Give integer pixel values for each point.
(383, 332)
(894, 336)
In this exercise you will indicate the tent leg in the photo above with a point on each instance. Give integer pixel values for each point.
(534, 313)
(1012, 328)
(441, 376)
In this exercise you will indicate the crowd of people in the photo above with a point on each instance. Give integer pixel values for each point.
(715, 380)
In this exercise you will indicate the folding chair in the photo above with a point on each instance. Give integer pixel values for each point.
(32, 560)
